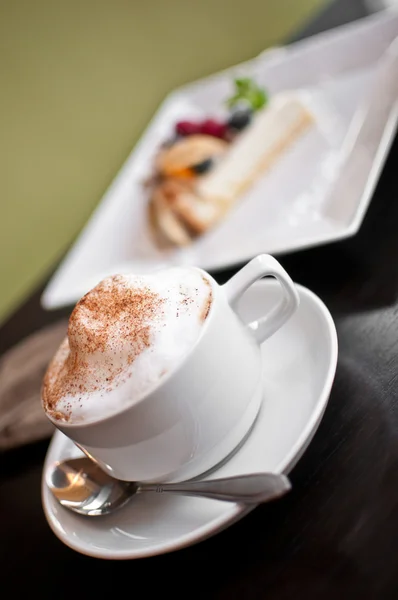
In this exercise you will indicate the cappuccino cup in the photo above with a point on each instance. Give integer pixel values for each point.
(171, 401)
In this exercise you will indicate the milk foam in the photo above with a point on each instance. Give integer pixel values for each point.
(116, 352)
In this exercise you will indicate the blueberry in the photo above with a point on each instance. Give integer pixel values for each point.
(240, 119)
(203, 166)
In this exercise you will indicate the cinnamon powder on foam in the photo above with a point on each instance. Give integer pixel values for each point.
(111, 306)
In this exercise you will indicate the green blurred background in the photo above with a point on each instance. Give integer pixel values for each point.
(80, 79)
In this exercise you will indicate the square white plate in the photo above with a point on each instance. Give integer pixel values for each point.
(317, 192)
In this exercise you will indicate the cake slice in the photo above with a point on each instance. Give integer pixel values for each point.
(272, 131)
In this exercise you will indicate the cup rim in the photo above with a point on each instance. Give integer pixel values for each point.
(87, 423)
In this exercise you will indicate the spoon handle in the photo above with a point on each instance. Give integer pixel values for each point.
(249, 489)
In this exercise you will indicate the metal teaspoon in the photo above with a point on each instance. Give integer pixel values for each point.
(82, 486)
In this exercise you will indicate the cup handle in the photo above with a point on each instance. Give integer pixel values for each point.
(259, 267)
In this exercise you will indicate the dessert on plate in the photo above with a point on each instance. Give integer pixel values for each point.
(207, 166)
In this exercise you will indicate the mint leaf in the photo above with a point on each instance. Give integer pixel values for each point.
(243, 85)
(247, 91)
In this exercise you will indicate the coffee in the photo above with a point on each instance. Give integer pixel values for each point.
(123, 337)
(152, 385)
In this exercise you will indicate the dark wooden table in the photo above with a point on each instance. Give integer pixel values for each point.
(335, 536)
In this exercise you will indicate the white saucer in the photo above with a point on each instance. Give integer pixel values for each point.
(299, 368)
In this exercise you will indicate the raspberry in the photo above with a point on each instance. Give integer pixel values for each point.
(185, 128)
(213, 128)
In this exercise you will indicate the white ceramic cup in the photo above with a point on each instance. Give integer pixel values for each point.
(201, 411)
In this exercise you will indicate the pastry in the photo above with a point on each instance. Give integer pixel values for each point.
(204, 171)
